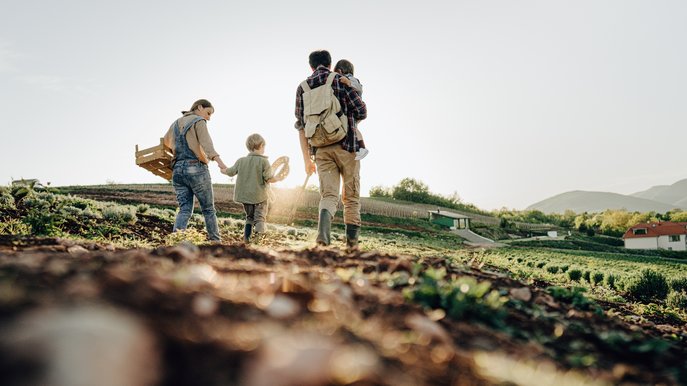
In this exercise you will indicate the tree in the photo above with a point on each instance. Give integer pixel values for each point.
(380, 191)
(410, 189)
(678, 216)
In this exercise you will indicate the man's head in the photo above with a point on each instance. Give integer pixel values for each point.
(320, 58)
(344, 67)
(255, 143)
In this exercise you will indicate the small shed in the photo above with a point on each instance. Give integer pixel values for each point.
(449, 219)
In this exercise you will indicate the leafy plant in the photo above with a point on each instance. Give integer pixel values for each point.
(552, 268)
(6, 200)
(677, 299)
(597, 277)
(649, 285)
(191, 235)
(14, 226)
(461, 298)
(119, 214)
(679, 284)
(575, 296)
(610, 280)
(575, 274)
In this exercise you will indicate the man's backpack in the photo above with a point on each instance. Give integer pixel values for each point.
(320, 106)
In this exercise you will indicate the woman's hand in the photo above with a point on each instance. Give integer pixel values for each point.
(221, 164)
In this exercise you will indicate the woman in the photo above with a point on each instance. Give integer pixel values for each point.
(190, 141)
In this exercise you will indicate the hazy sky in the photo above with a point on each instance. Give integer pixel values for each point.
(504, 102)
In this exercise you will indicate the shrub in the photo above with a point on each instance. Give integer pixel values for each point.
(14, 226)
(564, 268)
(541, 264)
(552, 268)
(679, 284)
(610, 281)
(586, 275)
(142, 208)
(574, 274)
(119, 214)
(597, 278)
(649, 285)
(677, 299)
(6, 200)
(380, 191)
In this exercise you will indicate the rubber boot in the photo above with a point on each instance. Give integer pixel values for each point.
(247, 230)
(352, 232)
(324, 228)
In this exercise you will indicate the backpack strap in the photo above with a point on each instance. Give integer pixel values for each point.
(330, 78)
(304, 86)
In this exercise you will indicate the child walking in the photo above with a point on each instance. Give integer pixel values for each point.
(251, 189)
(345, 68)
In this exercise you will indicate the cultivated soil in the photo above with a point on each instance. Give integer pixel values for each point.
(235, 314)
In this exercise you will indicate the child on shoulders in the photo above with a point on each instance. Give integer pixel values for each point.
(345, 68)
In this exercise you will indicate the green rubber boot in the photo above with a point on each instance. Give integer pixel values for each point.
(352, 232)
(324, 228)
(247, 230)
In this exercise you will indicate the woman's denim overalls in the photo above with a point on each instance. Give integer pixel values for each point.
(191, 178)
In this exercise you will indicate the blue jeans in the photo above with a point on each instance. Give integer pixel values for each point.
(192, 179)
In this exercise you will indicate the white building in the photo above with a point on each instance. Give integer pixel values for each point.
(657, 235)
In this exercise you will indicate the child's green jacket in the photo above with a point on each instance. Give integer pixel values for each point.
(251, 184)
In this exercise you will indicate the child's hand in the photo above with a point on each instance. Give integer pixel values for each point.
(224, 171)
(345, 81)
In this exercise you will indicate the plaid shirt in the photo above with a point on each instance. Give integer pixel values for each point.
(351, 105)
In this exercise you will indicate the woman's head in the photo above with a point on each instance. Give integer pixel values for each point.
(201, 107)
(255, 142)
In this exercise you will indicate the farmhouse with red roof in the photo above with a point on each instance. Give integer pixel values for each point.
(657, 235)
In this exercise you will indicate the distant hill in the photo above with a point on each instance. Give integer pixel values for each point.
(675, 194)
(581, 201)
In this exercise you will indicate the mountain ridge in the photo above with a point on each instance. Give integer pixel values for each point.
(658, 198)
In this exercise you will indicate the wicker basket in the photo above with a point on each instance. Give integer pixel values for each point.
(156, 159)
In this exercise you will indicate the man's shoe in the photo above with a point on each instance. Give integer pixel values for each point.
(324, 228)
(352, 232)
(361, 153)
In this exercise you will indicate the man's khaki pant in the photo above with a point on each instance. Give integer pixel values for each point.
(333, 164)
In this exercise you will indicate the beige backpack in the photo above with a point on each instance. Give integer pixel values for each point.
(320, 106)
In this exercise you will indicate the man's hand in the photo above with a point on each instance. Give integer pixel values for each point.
(310, 167)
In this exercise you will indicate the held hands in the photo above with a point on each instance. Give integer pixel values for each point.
(222, 166)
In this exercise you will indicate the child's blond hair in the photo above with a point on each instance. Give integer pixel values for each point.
(254, 142)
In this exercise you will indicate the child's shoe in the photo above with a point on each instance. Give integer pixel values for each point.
(361, 153)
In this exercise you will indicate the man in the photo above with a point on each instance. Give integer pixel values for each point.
(336, 161)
